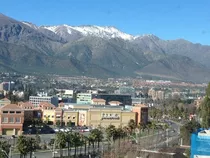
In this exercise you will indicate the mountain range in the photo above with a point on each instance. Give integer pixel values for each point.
(98, 51)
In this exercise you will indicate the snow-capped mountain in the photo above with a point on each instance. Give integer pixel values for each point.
(99, 31)
(30, 25)
(69, 32)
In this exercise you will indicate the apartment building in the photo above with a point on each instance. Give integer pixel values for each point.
(36, 100)
(12, 118)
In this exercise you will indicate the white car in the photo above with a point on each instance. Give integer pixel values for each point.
(56, 130)
(87, 130)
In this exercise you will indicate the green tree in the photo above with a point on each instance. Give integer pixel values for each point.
(85, 139)
(5, 147)
(76, 141)
(132, 125)
(58, 123)
(69, 140)
(110, 132)
(187, 129)
(60, 141)
(97, 135)
(23, 146)
(38, 141)
(205, 109)
(32, 145)
(69, 124)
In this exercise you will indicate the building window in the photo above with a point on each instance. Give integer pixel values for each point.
(11, 112)
(11, 120)
(5, 119)
(73, 117)
(17, 119)
(69, 117)
(18, 112)
(5, 112)
(52, 116)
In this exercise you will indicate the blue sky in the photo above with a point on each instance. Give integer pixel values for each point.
(168, 19)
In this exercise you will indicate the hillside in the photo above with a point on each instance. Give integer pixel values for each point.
(99, 52)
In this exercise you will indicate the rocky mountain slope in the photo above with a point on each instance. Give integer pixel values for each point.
(98, 51)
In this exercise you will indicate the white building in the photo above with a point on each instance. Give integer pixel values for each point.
(36, 100)
(84, 98)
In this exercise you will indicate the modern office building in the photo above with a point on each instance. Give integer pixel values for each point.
(36, 100)
(7, 86)
(84, 98)
(66, 96)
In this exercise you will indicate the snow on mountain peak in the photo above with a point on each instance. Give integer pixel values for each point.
(92, 30)
(30, 24)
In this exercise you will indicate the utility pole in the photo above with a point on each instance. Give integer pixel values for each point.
(10, 152)
(53, 151)
(181, 141)
(167, 138)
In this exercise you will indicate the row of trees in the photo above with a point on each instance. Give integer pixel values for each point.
(78, 142)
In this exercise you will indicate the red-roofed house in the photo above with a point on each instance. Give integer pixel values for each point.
(12, 118)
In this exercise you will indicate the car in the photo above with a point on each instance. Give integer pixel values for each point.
(87, 130)
(56, 130)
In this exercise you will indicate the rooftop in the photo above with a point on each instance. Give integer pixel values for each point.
(5, 99)
(11, 107)
(140, 105)
(98, 100)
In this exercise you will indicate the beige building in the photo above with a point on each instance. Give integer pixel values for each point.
(115, 103)
(97, 101)
(48, 112)
(109, 116)
(70, 116)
